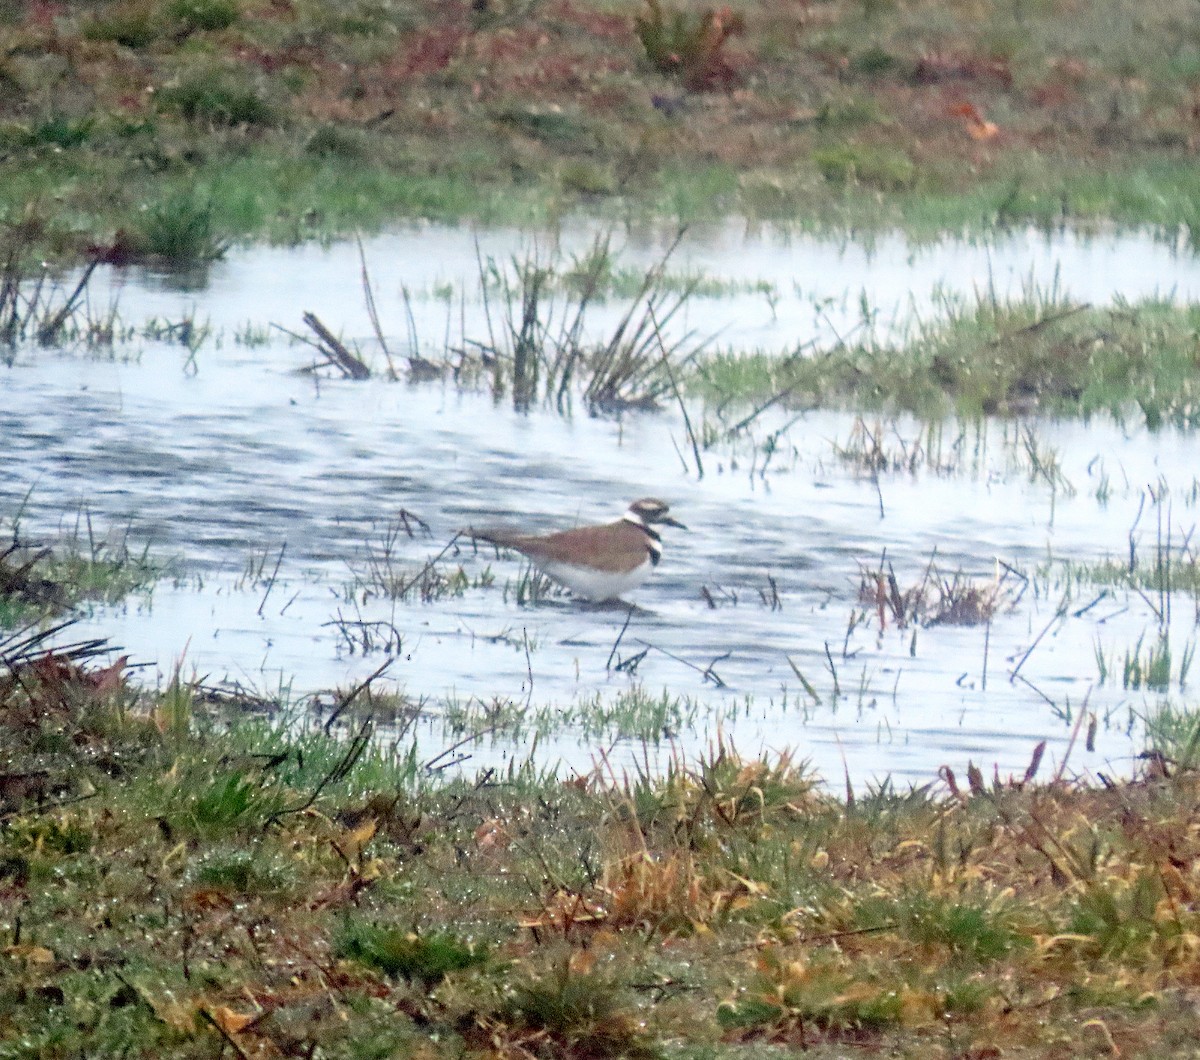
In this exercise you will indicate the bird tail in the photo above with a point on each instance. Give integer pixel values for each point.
(499, 538)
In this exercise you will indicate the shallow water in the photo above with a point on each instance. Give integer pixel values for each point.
(227, 460)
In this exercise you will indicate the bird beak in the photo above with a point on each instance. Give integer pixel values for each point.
(666, 520)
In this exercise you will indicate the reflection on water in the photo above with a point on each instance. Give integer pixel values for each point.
(226, 465)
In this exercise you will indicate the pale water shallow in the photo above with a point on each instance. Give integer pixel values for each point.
(234, 456)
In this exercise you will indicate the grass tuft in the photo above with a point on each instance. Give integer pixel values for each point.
(40, 581)
(180, 232)
(427, 959)
(210, 15)
(217, 96)
(1036, 353)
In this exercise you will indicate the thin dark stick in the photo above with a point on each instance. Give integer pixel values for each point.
(1083, 713)
(1037, 640)
(1030, 685)
(271, 580)
(1037, 325)
(51, 327)
(837, 690)
(433, 562)
(617, 642)
(987, 636)
(528, 667)
(428, 766)
(357, 745)
(707, 672)
(350, 696)
(405, 515)
(1133, 544)
(372, 312)
(687, 421)
(333, 348)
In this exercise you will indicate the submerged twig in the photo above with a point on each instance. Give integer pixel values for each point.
(350, 365)
(372, 312)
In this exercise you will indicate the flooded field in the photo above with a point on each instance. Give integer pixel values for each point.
(280, 496)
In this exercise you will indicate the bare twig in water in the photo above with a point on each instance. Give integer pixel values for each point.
(419, 368)
(1036, 641)
(367, 636)
(271, 580)
(708, 673)
(617, 642)
(50, 329)
(429, 767)
(936, 600)
(1084, 713)
(837, 690)
(405, 515)
(430, 564)
(666, 365)
(630, 665)
(345, 701)
(770, 595)
(528, 667)
(987, 638)
(372, 312)
(337, 355)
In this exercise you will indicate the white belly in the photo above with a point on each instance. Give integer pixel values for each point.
(594, 584)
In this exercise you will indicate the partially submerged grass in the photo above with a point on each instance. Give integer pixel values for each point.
(185, 884)
(385, 574)
(879, 448)
(1151, 665)
(39, 579)
(540, 346)
(1033, 354)
(44, 308)
(937, 599)
(633, 715)
(1156, 567)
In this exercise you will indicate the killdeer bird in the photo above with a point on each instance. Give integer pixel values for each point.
(596, 562)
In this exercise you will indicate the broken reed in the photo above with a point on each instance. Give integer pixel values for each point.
(35, 308)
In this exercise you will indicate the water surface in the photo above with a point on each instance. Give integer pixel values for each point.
(232, 459)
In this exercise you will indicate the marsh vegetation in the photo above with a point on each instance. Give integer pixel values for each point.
(947, 557)
(155, 130)
(228, 879)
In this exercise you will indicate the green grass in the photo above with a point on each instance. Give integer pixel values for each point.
(632, 714)
(317, 185)
(426, 958)
(38, 580)
(179, 231)
(354, 116)
(1134, 363)
(184, 877)
(215, 96)
(1173, 732)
